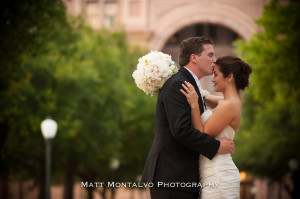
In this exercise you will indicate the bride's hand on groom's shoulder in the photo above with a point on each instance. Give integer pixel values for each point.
(190, 94)
(226, 146)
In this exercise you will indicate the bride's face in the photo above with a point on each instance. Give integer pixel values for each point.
(219, 81)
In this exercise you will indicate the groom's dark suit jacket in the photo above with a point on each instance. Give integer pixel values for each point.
(174, 156)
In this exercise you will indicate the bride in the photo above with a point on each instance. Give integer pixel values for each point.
(231, 76)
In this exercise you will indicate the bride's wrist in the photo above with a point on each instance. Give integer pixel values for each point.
(194, 106)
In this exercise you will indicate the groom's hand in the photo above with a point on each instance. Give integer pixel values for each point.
(226, 146)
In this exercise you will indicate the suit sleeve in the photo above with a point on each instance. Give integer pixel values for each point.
(179, 117)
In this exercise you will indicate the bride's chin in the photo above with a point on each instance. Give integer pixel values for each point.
(216, 89)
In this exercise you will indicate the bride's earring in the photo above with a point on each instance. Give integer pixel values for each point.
(229, 80)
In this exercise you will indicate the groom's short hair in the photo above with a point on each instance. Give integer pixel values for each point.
(191, 45)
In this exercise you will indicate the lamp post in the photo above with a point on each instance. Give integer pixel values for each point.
(49, 128)
(138, 179)
(114, 165)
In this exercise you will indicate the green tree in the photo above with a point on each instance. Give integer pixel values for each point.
(105, 104)
(137, 127)
(269, 135)
(82, 79)
(23, 33)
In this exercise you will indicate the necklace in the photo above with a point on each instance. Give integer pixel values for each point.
(231, 96)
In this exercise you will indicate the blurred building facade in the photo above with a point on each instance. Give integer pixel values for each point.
(162, 24)
(158, 24)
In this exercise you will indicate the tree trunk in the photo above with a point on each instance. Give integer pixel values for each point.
(42, 190)
(90, 193)
(104, 192)
(42, 180)
(296, 182)
(4, 186)
(20, 190)
(68, 184)
(279, 189)
(113, 192)
(3, 133)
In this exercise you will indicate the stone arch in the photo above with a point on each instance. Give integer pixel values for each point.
(183, 16)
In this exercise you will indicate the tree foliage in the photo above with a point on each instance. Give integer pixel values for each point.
(269, 135)
(82, 79)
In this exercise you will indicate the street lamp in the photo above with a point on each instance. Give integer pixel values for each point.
(49, 128)
(114, 165)
(138, 179)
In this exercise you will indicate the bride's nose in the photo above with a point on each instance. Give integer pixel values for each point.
(213, 79)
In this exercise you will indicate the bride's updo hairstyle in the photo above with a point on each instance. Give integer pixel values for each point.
(239, 69)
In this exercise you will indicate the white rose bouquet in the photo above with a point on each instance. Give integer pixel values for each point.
(153, 70)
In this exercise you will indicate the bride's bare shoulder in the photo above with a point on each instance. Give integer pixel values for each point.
(233, 103)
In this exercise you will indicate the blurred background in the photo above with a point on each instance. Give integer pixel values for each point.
(72, 61)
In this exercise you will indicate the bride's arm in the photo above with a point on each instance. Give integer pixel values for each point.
(222, 116)
(196, 117)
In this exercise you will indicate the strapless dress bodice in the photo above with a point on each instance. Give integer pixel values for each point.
(221, 170)
(228, 131)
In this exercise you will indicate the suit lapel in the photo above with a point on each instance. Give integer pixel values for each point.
(191, 79)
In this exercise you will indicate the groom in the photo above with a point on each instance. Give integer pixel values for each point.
(173, 161)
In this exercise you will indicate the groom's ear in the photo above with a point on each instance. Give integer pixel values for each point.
(193, 58)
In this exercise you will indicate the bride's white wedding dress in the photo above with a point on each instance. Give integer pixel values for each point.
(220, 177)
